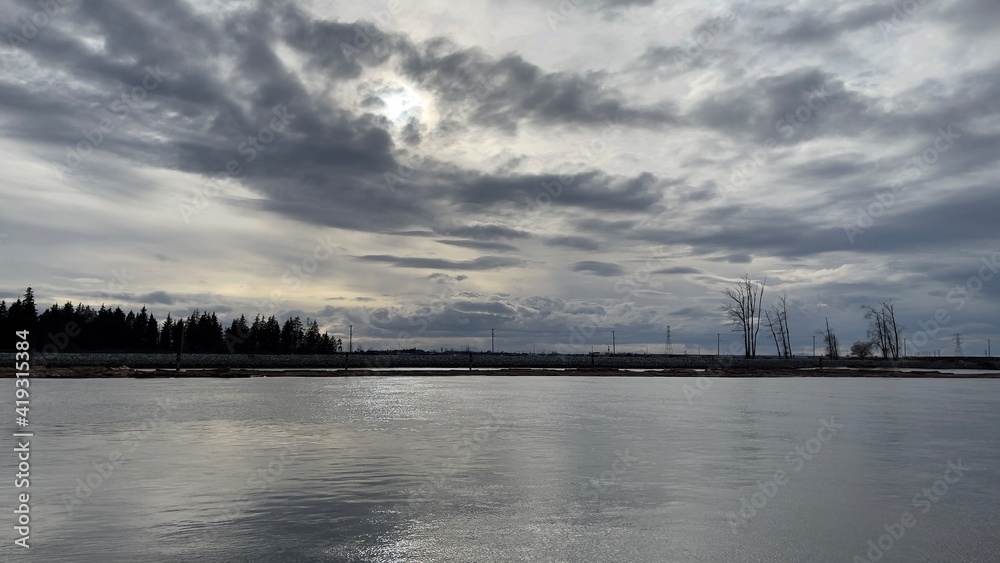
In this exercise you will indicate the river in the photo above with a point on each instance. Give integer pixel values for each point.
(546, 468)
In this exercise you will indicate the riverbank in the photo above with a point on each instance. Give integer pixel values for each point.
(92, 372)
(480, 360)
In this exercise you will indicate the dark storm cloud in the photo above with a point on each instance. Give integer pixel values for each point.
(739, 258)
(591, 190)
(973, 96)
(443, 278)
(969, 216)
(788, 108)
(662, 57)
(501, 93)
(337, 48)
(416, 234)
(319, 148)
(412, 132)
(739, 233)
(11, 294)
(972, 15)
(481, 245)
(702, 46)
(809, 25)
(573, 241)
(481, 263)
(327, 165)
(678, 270)
(840, 167)
(610, 227)
(748, 232)
(157, 297)
(605, 269)
(486, 231)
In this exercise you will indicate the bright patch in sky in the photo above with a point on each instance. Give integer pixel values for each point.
(401, 104)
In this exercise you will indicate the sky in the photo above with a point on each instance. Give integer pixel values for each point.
(554, 171)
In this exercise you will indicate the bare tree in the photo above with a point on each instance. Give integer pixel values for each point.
(783, 302)
(862, 349)
(876, 329)
(744, 310)
(771, 324)
(777, 322)
(882, 329)
(830, 339)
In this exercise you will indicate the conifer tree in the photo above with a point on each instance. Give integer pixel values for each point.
(167, 334)
(152, 336)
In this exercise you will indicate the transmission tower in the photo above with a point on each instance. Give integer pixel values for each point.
(958, 345)
(668, 348)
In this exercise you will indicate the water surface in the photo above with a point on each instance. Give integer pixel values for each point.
(546, 468)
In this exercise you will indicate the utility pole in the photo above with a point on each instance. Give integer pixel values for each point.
(613, 349)
(492, 348)
(814, 345)
(958, 344)
(904, 347)
(718, 343)
(668, 349)
(350, 347)
(989, 351)
(180, 348)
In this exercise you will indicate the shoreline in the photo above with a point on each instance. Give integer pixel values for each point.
(95, 372)
(485, 360)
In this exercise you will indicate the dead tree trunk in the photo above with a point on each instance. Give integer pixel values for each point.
(744, 310)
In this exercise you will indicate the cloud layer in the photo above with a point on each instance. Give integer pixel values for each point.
(522, 166)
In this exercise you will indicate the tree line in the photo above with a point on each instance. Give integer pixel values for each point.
(81, 328)
(743, 307)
